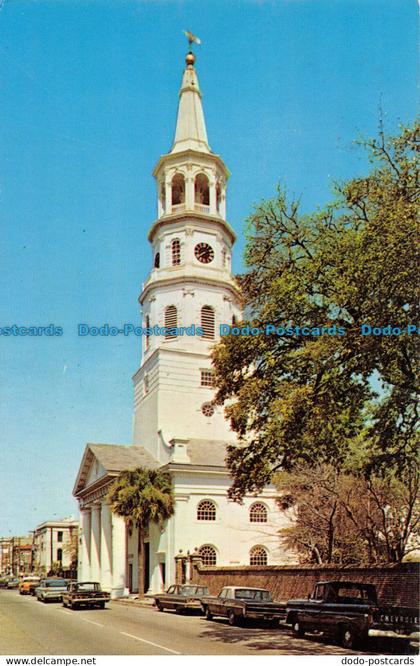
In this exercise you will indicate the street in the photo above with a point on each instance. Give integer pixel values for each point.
(30, 627)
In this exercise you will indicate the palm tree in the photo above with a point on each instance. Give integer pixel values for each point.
(142, 496)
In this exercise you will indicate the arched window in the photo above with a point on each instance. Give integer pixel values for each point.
(208, 555)
(171, 321)
(206, 510)
(157, 260)
(258, 513)
(207, 322)
(201, 190)
(178, 189)
(59, 554)
(258, 556)
(176, 252)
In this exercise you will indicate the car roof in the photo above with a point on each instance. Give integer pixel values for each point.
(244, 587)
(345, 583)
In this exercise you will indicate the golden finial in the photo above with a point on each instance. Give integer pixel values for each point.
(190, 58)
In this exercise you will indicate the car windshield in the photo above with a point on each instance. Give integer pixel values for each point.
(256, 595)
(55, 583)
(87, 586)
(189, 590)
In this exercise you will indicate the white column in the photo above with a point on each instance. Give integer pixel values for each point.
(212, 192)
(83, 569)
(222, 207)
(168, 195)
(189, 193)
(119, 556)
(106, 548)
(95, 549)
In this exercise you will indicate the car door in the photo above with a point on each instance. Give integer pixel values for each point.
(168, 601)
(312, 613)
(217, 604)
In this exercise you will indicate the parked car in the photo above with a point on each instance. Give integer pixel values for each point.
(28, 584)
(239, 604)
(349, 612)
(12, 583)
(51, 589)
(181, 597)
(85, 594)
(3, 582)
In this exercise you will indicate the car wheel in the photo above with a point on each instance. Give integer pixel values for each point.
(64, 603)
(208, 615)
(101, 604)
(159, 607)
(232, 618)
(348, 637)
(74, 606)
(297, 629)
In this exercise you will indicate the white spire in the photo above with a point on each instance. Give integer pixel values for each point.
(190, 133)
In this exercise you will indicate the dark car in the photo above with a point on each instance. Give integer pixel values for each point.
(181, 597)
(240, 604)
(350, 612)
(88, 594)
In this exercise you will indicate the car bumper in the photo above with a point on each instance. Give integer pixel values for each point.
(56, 596)
(389, 633)
(254, 615)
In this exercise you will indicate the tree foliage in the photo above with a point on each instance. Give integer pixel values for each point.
(142, 496)
(300, 399)
(339, 517)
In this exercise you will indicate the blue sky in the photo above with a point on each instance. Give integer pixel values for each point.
(89, 92)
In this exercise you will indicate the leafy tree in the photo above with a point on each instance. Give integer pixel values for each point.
(339, 517)
(310, 398)
(142, 496)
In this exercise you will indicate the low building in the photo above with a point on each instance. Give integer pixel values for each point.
(22, 555)
(5, 555)
(55, 545)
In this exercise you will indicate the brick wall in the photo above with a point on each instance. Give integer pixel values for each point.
(396, 584)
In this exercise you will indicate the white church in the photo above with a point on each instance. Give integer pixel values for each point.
(176, 426)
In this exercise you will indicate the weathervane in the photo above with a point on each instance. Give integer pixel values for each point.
(191, 38)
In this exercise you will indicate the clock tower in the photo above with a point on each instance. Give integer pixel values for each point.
(189, 292)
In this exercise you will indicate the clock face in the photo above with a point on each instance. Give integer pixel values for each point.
(204, 253)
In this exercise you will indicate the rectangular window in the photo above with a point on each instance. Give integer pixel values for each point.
(206, 378)
(59, 536)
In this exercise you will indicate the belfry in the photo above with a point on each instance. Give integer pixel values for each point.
(188, 294)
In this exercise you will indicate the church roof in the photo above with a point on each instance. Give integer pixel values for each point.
(114, 458)
(190, 133)
(207, 453)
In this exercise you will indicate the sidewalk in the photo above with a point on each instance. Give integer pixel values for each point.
(133, 600)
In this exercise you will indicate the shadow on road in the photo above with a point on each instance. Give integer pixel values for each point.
(260, 637)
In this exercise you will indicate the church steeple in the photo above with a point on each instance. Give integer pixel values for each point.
(189, 292)
(190, 133)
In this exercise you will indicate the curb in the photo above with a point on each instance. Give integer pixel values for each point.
(139, 603)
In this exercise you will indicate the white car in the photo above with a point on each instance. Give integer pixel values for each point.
(51, 589)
